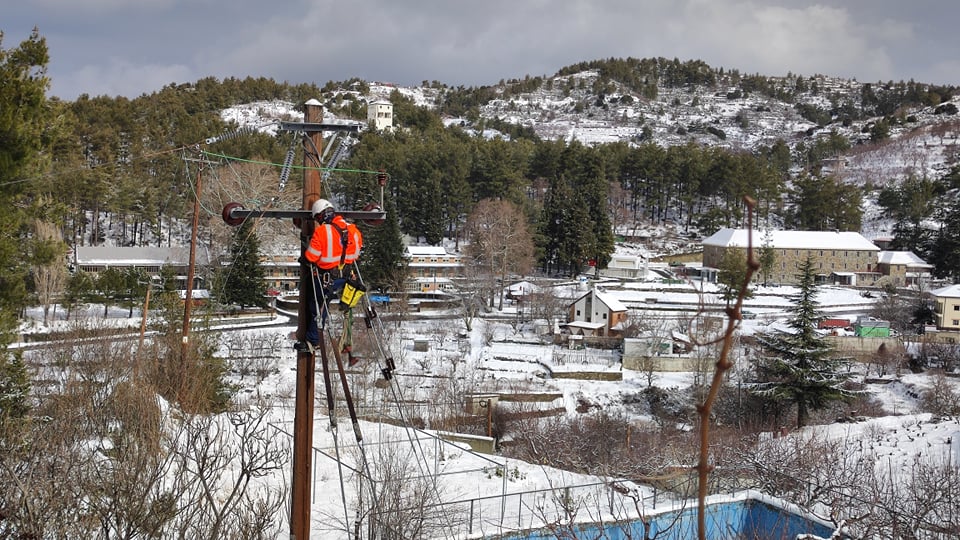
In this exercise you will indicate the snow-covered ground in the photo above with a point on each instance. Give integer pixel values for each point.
(504, 494)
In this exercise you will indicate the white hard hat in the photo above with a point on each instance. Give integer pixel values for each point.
(319, 206)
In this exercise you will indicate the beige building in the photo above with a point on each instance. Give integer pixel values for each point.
(845, 258)
(947, 310)
(380, 113)
(281, 271)
(431, 268)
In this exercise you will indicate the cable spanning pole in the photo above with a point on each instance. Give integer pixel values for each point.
(306, 367)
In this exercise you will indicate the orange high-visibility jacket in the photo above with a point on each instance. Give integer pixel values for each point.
(334, 243)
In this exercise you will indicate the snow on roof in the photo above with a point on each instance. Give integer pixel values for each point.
(907, 258)
(586, 325)
(633, 262)
(423, 251)
(523, 287)
(156, 256)
(791, 239)
(610, 301)
(950, 291)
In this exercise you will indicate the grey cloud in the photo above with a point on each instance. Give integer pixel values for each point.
(128, 47)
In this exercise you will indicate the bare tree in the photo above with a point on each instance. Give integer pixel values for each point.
(403, 502)
(942, 398)
(101, 456)
(500, 242)
(545, 304)
(219, 460)
(49, 267)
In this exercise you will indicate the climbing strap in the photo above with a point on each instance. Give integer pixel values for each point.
(344, 240)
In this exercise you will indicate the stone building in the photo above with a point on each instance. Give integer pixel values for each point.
(904, 268)
(844, 258)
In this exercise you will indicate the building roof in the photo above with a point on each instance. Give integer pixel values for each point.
(791, 239)
(906, 258)
(522, 287)
(629, 262)
(950, 291)
(137, 256)
(610, 301)
(426, 251)
(586, 325)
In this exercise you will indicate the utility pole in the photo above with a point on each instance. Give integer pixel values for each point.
(306, 366)
(143, 325)
(191, 269)
(372, 214)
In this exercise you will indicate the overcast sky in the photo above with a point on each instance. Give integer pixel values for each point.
(132, 47)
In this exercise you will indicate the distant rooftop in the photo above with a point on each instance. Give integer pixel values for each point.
(791, 239)
(424, 251)
(907, 258)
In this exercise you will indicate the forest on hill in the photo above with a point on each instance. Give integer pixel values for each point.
(129, 164)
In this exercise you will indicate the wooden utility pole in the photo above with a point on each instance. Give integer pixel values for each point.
(143, 326)
(306, 366)
(191, 268)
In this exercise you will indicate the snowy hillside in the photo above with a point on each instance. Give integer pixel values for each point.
(924, 141)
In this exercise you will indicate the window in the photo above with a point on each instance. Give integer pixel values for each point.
(956, 322)
(956, 307)
(821, 253)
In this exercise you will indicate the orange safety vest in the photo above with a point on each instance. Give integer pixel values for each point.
(334, 244)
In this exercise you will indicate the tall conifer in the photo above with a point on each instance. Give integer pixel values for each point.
(798, 367)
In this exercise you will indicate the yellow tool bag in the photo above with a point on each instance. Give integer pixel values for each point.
(352, 292)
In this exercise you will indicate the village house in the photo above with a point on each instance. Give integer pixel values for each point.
(904, 268)
(626, 267)
(431, 268)
(947, 309)
(597, 313)
(281, 270)
(147, 259)
(843, 258)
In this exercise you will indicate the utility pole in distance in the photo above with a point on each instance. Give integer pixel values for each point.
(306, 366)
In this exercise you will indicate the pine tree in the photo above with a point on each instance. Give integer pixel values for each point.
(731, 272)
(23, 120)
(798, 367)
(945, 251)
(564, 235)
(14, 388)
(381, 261)
(242, 280)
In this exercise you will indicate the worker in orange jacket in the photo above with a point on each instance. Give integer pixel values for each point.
(334, 248)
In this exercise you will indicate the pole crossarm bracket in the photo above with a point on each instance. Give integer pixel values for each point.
(234, 214)
(313, 127)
